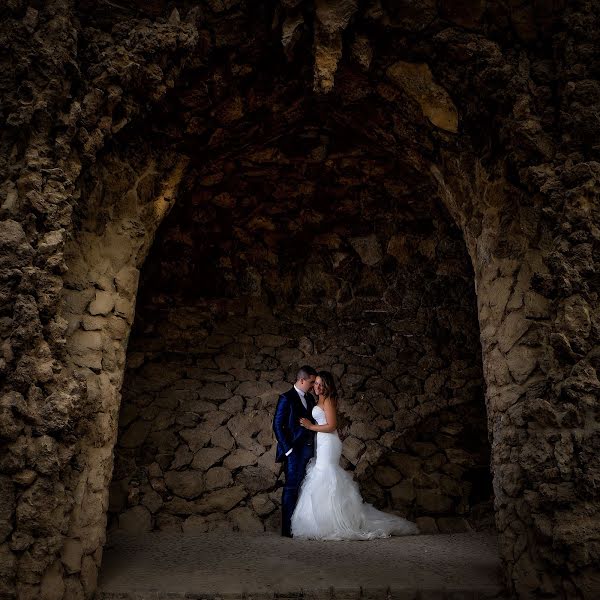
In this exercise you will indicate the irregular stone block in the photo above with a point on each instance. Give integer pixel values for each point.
(211, 375)
(102, 304)
(452, 525)
(212, 420)
(521, 362)
(352, 381)
(179, 506)
(267, 460)
(368, 248)
(118, 328)
(450, 486)
(221, 500)
(403, 493)
(167, 522)
(196, 438)
(364, 431)
(215, 392)
(352, 449)
(245, 521)
(226, 362)
(194, 525)
(222, 438)
(239, 458)
(152, 501)
(234, 405)
(85, 348)
(136, 520)
(183, 457)
(251, 389)
(513, 328)
(331, 19)
(423, 449)
(126, 281)
(426, 525)
(262, 505)
(417, 81)
(576, 317)
(124, 308)
(189, 402)
(289, 356)
(218, 477)
(268, 340)
(433, 501)
(52, 586)
(186, 484)
(387, 476)
(458, 456)
(11, 235)
(207, 457)
(164, 419)
(71, 555)
(90, 323)
(256, 479)
(242, 375)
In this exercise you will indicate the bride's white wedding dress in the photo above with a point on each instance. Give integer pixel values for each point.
(330, 506)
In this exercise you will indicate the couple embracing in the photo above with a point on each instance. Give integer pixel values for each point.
(320, 500)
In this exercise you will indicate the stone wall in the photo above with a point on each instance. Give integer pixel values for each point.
(395, 324)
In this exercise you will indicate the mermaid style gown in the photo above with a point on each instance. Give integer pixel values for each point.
(330, 506)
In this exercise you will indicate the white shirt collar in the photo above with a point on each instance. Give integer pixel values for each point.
(300, 392)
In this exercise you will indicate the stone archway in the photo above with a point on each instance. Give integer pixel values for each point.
(348, 267)
(524, 191)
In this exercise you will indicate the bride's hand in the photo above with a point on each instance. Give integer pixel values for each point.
(305, 423)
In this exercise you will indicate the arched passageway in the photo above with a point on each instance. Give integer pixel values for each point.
(312, 249)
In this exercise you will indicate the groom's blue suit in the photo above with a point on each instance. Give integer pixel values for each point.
(291, 435)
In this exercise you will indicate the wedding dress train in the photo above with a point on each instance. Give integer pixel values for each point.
(330, 506)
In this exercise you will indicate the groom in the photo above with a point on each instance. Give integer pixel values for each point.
(295, 444)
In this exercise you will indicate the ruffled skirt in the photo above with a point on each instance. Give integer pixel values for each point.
(330, 506)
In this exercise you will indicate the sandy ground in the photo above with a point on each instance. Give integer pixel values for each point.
(173, 565)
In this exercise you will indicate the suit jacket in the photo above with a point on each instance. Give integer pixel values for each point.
(286, 423)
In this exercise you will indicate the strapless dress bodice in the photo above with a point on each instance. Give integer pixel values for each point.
(319, 415)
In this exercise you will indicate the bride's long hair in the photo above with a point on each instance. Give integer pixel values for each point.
(329, 389)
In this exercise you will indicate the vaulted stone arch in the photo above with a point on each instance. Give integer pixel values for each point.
(520, 178)
(304, 248)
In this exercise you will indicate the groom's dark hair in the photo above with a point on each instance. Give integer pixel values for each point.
(305, 372)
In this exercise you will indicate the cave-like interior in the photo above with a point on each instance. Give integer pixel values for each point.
(315, 247)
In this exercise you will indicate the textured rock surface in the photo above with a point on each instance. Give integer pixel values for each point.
(103, 107)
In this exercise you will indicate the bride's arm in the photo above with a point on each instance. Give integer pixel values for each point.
(329, 408)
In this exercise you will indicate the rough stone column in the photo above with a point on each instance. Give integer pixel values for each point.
(99, 305)
(61, 105)
(539, 336)
(513, 321)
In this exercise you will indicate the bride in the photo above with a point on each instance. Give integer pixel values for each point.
(330, 506)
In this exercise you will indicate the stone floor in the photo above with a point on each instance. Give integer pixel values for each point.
(173, 565)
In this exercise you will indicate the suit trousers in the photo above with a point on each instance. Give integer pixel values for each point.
(295, 469)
